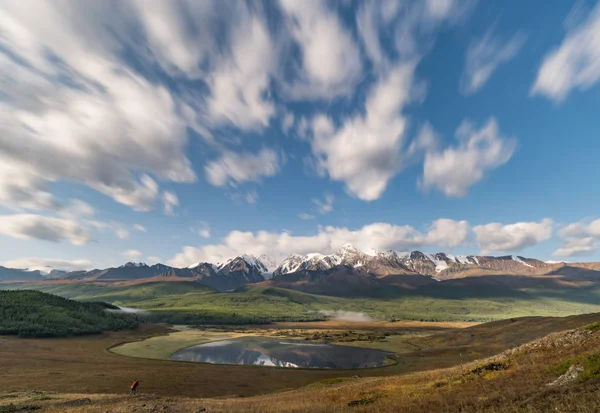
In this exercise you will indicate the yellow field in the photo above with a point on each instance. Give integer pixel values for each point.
(402, 336)
(161, 347)
(516, 381)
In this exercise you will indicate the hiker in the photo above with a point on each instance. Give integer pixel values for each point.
(134, 387)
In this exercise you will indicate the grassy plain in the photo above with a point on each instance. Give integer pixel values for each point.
(519, 380)
(83, 364)
(162, 346)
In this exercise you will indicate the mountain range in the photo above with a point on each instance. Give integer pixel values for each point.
(346, 269)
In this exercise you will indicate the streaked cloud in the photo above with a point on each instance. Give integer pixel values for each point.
(574, 64)
(485, 55)
(47, 264)
(233, 168)
(31, 226)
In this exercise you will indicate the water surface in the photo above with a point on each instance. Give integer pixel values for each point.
(282, 353)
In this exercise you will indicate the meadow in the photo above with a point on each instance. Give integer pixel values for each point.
(193, 303)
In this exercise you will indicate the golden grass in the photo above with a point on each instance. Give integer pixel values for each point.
(513, 382)
(516, 381)
(402, 325)
(161, 347)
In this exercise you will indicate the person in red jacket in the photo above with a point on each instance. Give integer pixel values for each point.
(134, 387)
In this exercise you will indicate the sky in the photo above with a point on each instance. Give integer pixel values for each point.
(190, 131)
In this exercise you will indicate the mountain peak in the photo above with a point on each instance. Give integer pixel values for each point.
(133, 264)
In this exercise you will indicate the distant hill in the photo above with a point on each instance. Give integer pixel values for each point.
(234, 273)
(12, 274)
(33, 314)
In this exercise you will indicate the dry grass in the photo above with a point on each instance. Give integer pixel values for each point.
(83, 365)
(403, 325)
(161, 347)
(387, 336)
(515, 381)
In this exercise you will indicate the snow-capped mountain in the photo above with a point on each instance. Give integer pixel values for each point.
(347, 268)
(438, 265)
(263, 264)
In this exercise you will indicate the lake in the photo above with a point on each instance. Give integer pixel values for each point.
(282, 353)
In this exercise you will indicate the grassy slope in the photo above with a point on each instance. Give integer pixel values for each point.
(188, 302)
(37, 314)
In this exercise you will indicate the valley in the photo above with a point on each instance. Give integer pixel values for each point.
(438, 318)
(380, 286)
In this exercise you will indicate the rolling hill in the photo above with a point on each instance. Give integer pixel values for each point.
(37, 314)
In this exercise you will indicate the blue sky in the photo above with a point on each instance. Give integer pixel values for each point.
(194, 131)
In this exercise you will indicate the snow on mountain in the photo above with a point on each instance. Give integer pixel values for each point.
(255, 262)
(432, 264)
(196, 265)
(440, 263)
(291, 264)
(134, 264)
(519, 260)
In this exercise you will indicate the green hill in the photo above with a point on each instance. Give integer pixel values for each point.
(34, 314)
(459, 300)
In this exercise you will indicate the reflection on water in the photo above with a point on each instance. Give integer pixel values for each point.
(281, 353)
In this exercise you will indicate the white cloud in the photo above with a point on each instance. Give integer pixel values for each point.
(30, 226)
(170, 201)
(575, 64)
(305, 216)
(173, 36)
(47, 264)
(73, 111)
(120, 230)
(455, 169)
(368, 21)
(410, 25)
(364, 152)
(496, 237)
(427, 140)
(572, 247)
(448, 233)
(121, 233)
(240, 82)
(232, 168)
(325, 206)
(331, 63)
(203, 230)
(226, 44)
(579, 239)
(153, 259)
(250, 197)
(80, 208)
(288, 122)
(484, 56)
(379, 236)
(140, 228)
(132, 254)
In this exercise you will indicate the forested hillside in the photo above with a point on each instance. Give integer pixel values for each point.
(34, 314)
